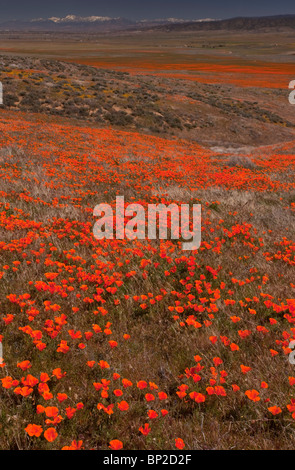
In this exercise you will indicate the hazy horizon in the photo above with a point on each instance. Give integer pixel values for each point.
(134, 10)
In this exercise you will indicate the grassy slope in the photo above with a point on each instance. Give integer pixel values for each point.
(182, 311)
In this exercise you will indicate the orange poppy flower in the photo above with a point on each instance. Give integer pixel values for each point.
(123, 406)
(253, 395)
(145, 430)
(34, 430)
(179, 444)
(115, 444)
(275, 410)
(50, 434)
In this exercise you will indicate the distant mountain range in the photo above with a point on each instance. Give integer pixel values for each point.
(92, 24)
(73, 23)
(239, 23)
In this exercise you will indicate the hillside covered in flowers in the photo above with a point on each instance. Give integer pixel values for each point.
(138, 344)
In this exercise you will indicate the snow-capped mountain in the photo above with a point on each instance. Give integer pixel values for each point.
(102, 19)
(70, 23)
(74, 23)
(80, 19)
(105, 24)
(175, 20)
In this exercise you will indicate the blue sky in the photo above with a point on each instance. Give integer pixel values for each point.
(138, 9)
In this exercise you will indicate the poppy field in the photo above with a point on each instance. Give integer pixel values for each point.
(119, 344)
(218, 70)
(263, 60)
